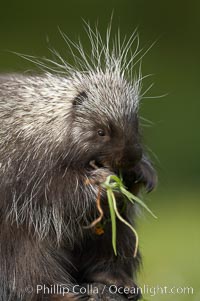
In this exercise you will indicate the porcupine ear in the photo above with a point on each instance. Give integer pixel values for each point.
(80, 98)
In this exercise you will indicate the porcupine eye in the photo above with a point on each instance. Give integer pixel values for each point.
(101, 132)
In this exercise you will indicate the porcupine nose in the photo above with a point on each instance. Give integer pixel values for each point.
(131, 155)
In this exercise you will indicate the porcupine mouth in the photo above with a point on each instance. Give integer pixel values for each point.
(95, 164)
(98, 164)
(130, 181)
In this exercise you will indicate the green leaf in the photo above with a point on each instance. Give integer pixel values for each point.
(113, 220)
(115, 184)
(126, 223)
(131, 197)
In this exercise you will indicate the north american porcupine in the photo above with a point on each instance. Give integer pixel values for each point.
(52, 126)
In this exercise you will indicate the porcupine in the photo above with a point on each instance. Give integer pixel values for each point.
(61, 134)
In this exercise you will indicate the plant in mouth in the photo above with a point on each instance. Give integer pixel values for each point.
(114, 184)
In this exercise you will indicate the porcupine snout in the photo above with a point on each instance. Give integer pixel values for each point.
(129, 156)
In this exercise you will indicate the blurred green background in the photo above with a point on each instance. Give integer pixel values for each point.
(171, 244)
